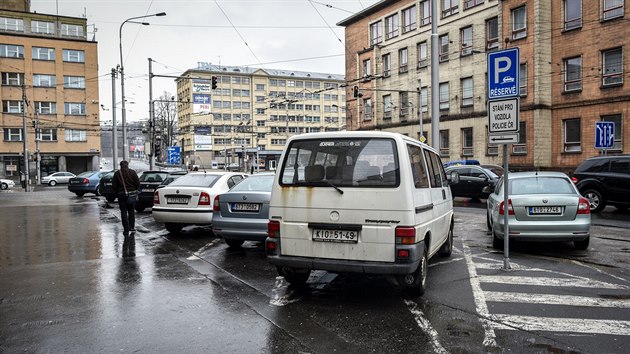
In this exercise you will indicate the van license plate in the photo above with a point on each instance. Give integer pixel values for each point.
(335, 235)
(545, 210)
(245, 207)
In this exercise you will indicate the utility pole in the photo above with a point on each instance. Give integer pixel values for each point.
(114, 127)
(25, 140)
(38, 138)
(435, 78)
(420, 107)
(152, 118)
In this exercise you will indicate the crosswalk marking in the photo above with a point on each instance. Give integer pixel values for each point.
(546, 299)
(546, 281)
(553, 324)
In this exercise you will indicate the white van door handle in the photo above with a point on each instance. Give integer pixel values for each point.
(443, 194)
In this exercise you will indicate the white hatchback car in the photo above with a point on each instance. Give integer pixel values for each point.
(189, 199)
(57, 177)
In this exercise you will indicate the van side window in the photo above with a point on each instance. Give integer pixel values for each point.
(418, 169)
(440, 166)
(434, 171)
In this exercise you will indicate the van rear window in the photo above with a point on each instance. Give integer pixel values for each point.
(343, 162)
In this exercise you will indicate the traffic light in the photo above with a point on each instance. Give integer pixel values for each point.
(157, 148)
(355, 92)
(214, 82)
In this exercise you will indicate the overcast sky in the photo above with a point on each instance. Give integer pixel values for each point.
(276, 34)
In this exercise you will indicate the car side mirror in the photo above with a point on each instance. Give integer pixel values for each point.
(453, 177)
(488, 189)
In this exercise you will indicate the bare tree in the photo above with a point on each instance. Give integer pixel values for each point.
(165, 112)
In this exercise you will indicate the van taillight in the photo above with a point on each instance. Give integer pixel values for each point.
(405, 235)
(510, 208)
(204, 199)
(584, 207)
(216, 206)
(273, 229)
(156, 198)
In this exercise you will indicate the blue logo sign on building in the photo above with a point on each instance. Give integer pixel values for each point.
(503, 73)
(173, 155)
(604, 135)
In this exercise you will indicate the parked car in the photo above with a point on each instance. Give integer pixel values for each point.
(542, 206)
(105, 187)
(365, 202)
(472, 180)
(604, 180)
(173, 175)
(86, 182)
(496, 169)
(189, 199)
(242, 213)
(149, 182)
(6, 184)
(57, 177)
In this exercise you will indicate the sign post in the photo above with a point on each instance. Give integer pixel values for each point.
(503, 120)
(604, 135)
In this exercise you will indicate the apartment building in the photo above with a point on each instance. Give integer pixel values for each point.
(251, 113)
(48, 60)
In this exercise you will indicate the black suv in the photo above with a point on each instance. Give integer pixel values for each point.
(149, 181)
(472, 180)
(604, 180)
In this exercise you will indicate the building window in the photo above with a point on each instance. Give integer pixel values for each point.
(42, 27)
(47, 134)
(409, 19)
(12, 134)
(612, 67)
(573, 74)
(11, 24)
(444, 143)
(422, 55)
(74, 56)
(376, 33)
(367, 109)
(467, 142)
(449, 7)
(443, 52)
(367, 68)
(40, 53)
(403, 61)
(522, 88)
(76, 135)
(425, 12)
(572, 14)
(387, 65)
(616, 118)
(444, 96)
(572, 135)
(12, 79)
(74, 82)
(260, 87)
(43, 80)
(77, 109)
(11, 106)
(467, 92)
(46, 107)
(521, 147)
(72, 30)
(492, 33)
(11, 51)
(519, 23)
(403, 99)
(612, 9)
(424, 99)
(387, 107)
(391, 26)
(467, 40)
(471, 3)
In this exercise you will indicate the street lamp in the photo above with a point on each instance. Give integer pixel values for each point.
(122, 79)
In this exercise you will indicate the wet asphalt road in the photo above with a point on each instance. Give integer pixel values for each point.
(70, 283)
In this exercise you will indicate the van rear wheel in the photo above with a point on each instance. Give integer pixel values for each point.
(294, 276)
(416, 282)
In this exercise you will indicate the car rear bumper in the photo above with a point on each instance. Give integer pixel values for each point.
(82, 189)
(240, 228)
(182, 216)
(574, 230)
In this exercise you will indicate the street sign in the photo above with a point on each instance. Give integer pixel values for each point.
(172, 155)
(503, 115)
(604, 135)
(503, 71)
(505, 138)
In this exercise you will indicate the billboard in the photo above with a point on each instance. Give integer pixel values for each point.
(203, 142)
(202, 87)
(202, 103)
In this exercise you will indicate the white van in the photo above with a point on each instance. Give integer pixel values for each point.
(364, 202)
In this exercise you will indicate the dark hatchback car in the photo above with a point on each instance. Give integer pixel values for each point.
(149, 182)
(472, 180)
(604, 180)
(105, 187)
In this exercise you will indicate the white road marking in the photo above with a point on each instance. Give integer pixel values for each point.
(546, 281)
(546, 299)
(445, 262)
(573, 325)
(480, 300)
(425, 325)
(600, 271)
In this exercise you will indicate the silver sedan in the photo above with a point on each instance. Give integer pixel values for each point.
(542, 206)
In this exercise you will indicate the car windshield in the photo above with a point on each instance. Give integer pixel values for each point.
(196, 180)
(255, 184)
(541, 185)
(342, 162)
(153, 176)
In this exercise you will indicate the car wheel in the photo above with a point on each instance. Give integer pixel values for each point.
(582, 245)
(4, 186)
(173, 228)
(447, 248)
(110, 199)
(295, 277)
(234, 243)
(497, 243)
(416, 282)
(97, 191)
(595, 200)
(52, 183)
(140, 208)
(80, 194)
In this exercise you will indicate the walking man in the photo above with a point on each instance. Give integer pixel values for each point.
(125, 184)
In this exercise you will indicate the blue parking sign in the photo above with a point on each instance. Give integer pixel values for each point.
(604, 135)
(503, 73)
(173, 155)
